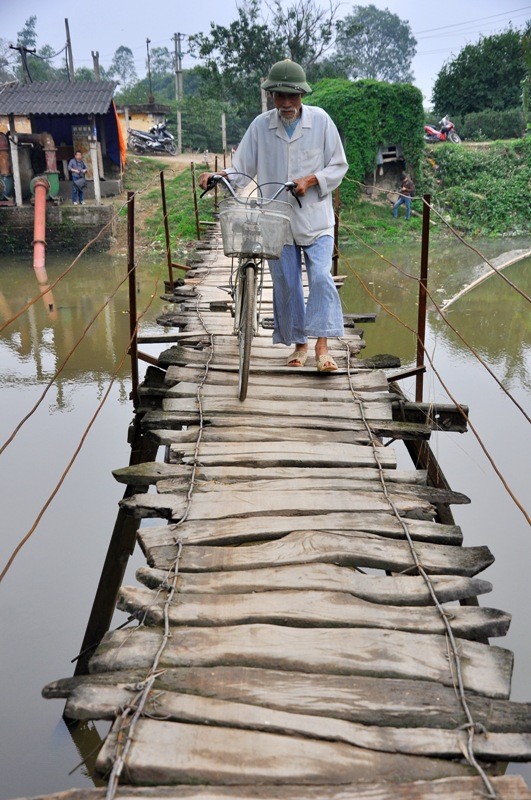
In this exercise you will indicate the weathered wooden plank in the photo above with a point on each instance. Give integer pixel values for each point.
(253, 433)
(315, 394)
(340, 651)
(153, 471)
(430, 494)
(362, 380)
(209, 505)
(239, 530)
(378, 410)
(94, 701)
(385, 702)
(402, 590)
(319, 454)
(172, 752)
(306, 547)
(507, 787)
(306, 609)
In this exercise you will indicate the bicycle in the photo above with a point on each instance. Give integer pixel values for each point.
(253, 229)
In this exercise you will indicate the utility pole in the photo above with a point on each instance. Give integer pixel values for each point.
(69, 53)
(178, 86)
(23, 51)
(96, 63)
(223, 132)
(151, 99)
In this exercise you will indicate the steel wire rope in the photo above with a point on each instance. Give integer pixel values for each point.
(83, 250)
(450, 395)
(471, 726)
(77, 450)
(443, 316)
(135, 710)
(461, 239)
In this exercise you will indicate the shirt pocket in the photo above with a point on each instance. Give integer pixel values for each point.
(310, 161)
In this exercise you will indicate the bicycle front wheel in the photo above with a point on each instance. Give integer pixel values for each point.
(245, 330)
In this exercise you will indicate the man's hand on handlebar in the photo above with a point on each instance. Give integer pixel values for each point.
(205, 179)
(303, 184)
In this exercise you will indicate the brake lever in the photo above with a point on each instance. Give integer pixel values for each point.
(212, 181)
(291, 190)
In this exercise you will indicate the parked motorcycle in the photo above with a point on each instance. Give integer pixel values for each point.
(447, 132)
(157, 140)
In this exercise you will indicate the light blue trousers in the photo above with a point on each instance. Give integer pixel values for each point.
(323, 316)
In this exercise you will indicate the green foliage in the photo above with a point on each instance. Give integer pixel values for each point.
(123, 66)
(305, 30)
(488, 74)
(369, 114)
(492, 125)
(483, 190)
(376, 44)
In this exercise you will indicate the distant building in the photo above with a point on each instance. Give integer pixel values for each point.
(142, 117)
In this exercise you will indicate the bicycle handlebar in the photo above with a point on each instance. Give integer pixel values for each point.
(216, 178)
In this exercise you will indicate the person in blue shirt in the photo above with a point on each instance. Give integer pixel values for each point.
(77, 169)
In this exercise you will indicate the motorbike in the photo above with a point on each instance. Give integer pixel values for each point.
(156, 140)
(447, 132)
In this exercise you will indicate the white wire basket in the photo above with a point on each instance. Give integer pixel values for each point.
(258, 228)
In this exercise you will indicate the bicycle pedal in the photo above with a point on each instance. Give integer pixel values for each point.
(268, 323)
(219, 305)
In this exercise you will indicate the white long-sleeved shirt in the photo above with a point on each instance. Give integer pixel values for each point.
(267, 153)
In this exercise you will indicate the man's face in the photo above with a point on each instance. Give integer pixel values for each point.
(288, 105)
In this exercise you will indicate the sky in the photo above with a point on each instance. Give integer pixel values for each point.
(442, 29)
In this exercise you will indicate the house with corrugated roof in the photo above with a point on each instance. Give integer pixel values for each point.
(78, 115)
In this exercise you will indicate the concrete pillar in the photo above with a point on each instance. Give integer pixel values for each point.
(95, 169)
(16, 169)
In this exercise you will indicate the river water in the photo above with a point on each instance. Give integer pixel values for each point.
(48, 592)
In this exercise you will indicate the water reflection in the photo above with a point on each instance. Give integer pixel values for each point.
(49, 592)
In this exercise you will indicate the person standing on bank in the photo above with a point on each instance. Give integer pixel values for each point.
(406, 190)
(298, 143)
(77, 169)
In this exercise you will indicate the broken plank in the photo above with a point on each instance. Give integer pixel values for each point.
(377, 410)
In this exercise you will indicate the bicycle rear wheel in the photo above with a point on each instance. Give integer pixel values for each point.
(245, 330)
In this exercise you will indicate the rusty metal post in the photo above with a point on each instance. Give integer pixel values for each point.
(335, 257)
(423, 283)
(196, 209)
(131, 272)
(166, 230)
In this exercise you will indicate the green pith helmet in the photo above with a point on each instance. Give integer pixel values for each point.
(287, 77)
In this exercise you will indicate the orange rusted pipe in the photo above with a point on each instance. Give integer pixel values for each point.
(41, 187)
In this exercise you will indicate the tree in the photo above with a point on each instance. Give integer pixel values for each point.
(238, 57)
(7, 62)
(484, 75)
(306, 30)
(376, 44)
(162, 62)
(123, 66)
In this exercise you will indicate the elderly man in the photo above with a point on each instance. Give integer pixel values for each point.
(298, 143)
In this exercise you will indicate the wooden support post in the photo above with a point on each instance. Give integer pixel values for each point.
(166, 231)
(121, 547)
(196, 209)
(93, 144)
(16, 167)
(421, 324)
(131, 271)
(216, 188)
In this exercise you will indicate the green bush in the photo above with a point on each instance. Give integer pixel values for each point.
(492, 125)
(369, 114)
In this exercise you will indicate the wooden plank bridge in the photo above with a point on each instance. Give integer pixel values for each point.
(307, 620)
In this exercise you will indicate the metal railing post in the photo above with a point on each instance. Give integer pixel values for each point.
(166, 230)
(131, 272)
(423, 283)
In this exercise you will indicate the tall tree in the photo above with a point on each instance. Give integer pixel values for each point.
(237, 57)
(306, 30)
(161, 61)
(7, 62)
(484, 75)
(123, 67)
(376, 44)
